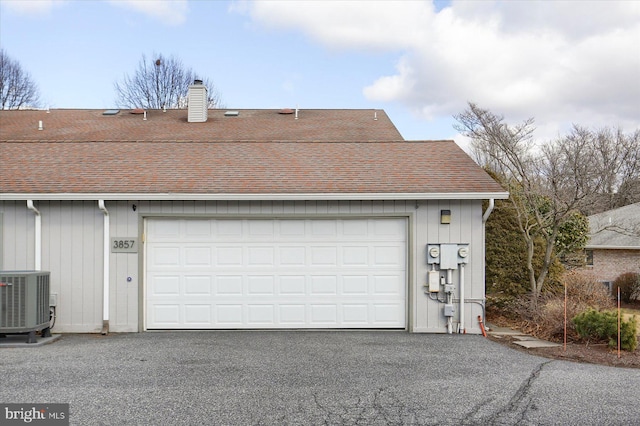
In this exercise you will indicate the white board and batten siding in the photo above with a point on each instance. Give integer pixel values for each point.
(72, 250)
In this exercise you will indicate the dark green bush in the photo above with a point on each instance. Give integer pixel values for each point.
(598, 326)
(629, 284)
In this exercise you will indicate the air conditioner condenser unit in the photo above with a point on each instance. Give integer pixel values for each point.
(24, 303)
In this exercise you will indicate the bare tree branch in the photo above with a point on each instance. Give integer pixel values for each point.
(550, 184)
(17, 89)
(161, 83)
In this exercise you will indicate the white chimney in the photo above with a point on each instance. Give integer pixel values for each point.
(197, 102)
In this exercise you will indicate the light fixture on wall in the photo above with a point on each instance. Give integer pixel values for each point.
(445, 217)
(134, 207)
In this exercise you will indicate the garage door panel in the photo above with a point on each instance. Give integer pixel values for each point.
(293, 285)
(229, 285)
(389, 255)
(197, 256)
(198, 285)
(261, 314)
(385, 313)
(229, 315)
(165, 314)
(229, 256)
(198, 229)
(260, 256)
(164, 229)
(292, 256)
(290, 273)
(324, 256)
(355, 285)
(163, 256)
(355, 314)
(260, 285)
(322, 285)
(387, 284)
(355, 228)
(355, 256)
(165, 285)
(388, 228)
(229, 229)
(292, 228)
(324, 228)
(323, 315)
(197, 314)
(292, 314)
(261, 228)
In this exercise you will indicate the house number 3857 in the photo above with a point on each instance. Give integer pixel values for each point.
(124, 245)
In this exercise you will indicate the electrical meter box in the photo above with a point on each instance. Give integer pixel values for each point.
(433, 253)
(433, 281)
(448, 256)
(463, 253)
(449, 310)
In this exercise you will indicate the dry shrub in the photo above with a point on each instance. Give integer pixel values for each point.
(629, 285)
(547, 319)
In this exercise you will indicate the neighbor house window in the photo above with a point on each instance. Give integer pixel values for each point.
(608, 285)
(589, 257)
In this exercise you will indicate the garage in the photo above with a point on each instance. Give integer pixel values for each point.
(248, 273)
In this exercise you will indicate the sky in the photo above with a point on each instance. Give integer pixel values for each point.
(422, 61)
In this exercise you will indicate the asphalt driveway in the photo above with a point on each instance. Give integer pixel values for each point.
(289, 377)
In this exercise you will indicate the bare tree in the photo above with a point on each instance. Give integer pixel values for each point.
(17, 89)
(551, 182)
(617, 157)
(161, 83)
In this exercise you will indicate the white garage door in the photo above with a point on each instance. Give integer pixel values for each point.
(239, 273)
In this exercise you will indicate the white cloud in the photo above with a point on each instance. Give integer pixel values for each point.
(32, 7)
(559, 61)
(170, 12)
(346, 24)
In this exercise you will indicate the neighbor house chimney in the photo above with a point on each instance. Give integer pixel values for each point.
(197, 102)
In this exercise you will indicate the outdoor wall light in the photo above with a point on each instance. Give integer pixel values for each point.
(445, 217)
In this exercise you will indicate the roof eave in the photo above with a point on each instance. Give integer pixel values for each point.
(256, 197)
(611, 247)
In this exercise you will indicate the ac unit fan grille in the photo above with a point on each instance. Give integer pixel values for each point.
(43, 299)
(24, 301)
(13, 293)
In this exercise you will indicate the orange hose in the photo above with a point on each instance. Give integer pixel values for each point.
(484, 332)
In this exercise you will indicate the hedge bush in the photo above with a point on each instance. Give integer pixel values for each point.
(629, 284)
(602, 326)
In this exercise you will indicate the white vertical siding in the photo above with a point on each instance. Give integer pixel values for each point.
(72, 251)
(123, 294)
(466, 227)
(17, 236)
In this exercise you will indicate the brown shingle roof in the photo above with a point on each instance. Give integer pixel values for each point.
(249, 125)
(74, 163)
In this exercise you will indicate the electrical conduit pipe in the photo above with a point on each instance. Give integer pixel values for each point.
(105, 278)
(449, 301)
(462, 328)
(38, 235)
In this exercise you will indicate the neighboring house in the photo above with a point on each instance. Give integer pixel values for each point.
(242, 219)
(614, 244)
